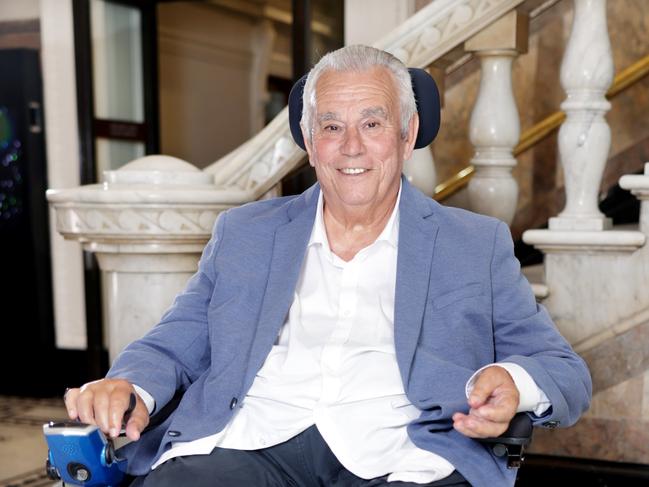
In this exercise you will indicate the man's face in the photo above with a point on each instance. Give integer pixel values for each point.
(357, 149)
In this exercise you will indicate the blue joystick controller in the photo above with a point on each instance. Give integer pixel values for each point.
(80, 454)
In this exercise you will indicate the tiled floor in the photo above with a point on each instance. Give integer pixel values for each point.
(22, 448)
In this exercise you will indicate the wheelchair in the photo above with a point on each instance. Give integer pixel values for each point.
(80, 454)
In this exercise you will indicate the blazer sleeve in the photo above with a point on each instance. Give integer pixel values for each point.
(176, 351)
(525, 334)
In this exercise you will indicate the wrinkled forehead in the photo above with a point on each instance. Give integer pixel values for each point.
(371, 89)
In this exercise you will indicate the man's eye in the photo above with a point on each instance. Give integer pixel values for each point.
(331, 128)
(372, 125)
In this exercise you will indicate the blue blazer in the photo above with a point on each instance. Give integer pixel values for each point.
(460, 303)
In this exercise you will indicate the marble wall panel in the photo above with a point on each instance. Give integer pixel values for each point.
(616, 427)
(645, 396)
(629, 32)
(624, 400)
(619, 358)
(619, 440)
(628, 161)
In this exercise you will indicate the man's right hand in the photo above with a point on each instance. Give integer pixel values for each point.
(104, 402)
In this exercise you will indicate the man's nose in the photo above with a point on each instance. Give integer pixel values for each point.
(352, 143)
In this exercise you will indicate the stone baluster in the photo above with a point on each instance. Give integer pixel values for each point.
(585, 137)
(419, 170)
(495, 126)
(592, 273)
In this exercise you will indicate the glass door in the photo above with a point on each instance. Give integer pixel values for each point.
(118, 84)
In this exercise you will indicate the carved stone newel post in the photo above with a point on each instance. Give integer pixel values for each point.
(495, 126)
(585, 137)
(147, 223)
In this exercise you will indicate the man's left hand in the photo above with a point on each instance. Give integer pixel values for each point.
(493, 401)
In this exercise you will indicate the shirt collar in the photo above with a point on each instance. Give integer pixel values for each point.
(389, 234)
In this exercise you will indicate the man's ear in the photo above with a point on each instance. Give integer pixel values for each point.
(307, 144)
(413, 128)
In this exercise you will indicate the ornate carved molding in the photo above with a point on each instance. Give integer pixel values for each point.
(441, 26)
(89, 222)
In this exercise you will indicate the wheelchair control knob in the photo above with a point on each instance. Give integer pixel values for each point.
(79, 471)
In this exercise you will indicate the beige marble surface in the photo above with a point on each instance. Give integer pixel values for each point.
(618, 440)
(616, 428)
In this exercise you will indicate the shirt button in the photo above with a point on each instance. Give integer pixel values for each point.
(233, 403)
(173, 433)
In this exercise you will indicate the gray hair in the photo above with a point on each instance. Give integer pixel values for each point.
(359, 58)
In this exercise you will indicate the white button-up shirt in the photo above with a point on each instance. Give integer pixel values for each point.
(334, 365)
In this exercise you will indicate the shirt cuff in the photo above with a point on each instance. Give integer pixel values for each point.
(532, 399)
(147, 398)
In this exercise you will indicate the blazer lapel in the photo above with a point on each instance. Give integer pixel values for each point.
(288, 250)
(417, 233)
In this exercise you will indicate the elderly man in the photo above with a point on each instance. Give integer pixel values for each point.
(355, 335)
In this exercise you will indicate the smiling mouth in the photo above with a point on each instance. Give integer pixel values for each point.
(353, 171)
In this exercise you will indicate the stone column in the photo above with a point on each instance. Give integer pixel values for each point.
(148, 223)
(495, 126)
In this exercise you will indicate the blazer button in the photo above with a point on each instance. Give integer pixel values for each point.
(173, 433)
(233, 403)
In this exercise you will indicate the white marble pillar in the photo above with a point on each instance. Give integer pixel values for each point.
(585, 137)
(139, 282)
(495, 127)
(148, 223)
(62, 145)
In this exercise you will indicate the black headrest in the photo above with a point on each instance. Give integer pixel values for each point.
(426, 96)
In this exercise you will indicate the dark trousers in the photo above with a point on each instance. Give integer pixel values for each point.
(302, 461)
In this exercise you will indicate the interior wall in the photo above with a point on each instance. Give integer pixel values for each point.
(213, 71)
(366, 21)
(19, 10)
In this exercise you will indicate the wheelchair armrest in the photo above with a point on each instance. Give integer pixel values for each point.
(513, 441)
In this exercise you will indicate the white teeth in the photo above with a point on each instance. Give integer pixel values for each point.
(353, 170)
